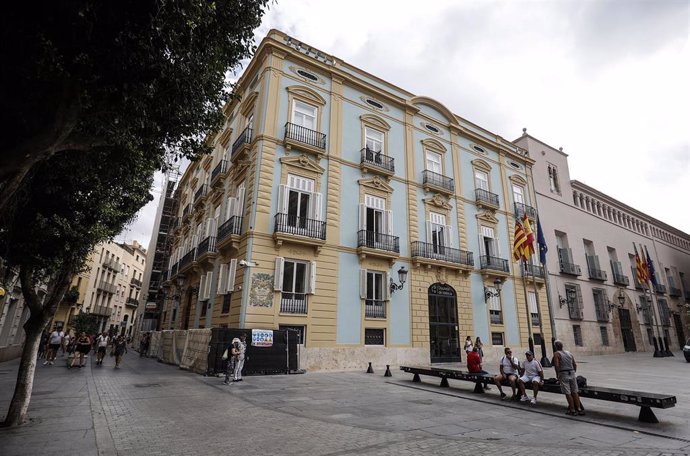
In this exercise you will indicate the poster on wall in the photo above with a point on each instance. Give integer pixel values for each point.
(261, 293)
(262, 337)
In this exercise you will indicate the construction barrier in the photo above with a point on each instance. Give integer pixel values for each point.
(195, 353)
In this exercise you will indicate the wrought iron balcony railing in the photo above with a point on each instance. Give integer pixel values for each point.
(103, 311)
(244, 138)
(374, 240)
(200, 193)
(300, 226)
(570, 268)
(136, 282)
(208, 245)
(620, 279)
(530, 269)
(132, 302)
(438, 180)
(440, 252)
(674, 292)
(596, 274)
(494, 263)
(378, 160)
(293, 303)
(375, 308)
(521, 209)
(233, 225)
(660, 288)
(535, 320)
(107, 287)
(217, 171)
(188, 258)
(485, 197)
(305, 136)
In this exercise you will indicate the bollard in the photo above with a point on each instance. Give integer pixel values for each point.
(370, 370)
(388, 371)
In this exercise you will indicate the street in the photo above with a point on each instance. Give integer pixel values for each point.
(150, 408)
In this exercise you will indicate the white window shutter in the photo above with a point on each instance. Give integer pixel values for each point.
(232, 272)
(207, 288)
(363, 283)
(283, 199)
(202, 283)
(429, 232)
(317, 199)
(230, 208)
(386, 292)
(389, 222)
(278, 277)
(209, 227)
(222, 279)
(240, 201)
(195, 242)
(362, 217)
(311, 285)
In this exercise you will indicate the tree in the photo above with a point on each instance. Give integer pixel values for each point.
(145, 75)
(85, 322)
(68, 203)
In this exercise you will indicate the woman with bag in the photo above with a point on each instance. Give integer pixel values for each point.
(230, 355)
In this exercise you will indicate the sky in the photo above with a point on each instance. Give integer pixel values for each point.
(608, 80)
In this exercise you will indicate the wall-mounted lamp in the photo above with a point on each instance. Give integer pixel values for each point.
(641, 307)
(180, 280)
(562, 301)
(493, 294)
(402, 277)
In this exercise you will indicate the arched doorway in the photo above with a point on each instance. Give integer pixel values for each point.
(444, 341)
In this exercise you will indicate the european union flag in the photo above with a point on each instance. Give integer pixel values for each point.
(542, 243)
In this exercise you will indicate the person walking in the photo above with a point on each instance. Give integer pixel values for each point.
(54, 343)
(566, 370)
(65, 343)
(468, 345)
(119, 348)
(101, 343)
(144, 345)
(83, 348)
(239, 351)
(478, 344)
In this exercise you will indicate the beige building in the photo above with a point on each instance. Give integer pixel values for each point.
(599, 307)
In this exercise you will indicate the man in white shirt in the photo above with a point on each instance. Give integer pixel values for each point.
(534, 374)
(54, 344)
(509, 367)
(102, 342)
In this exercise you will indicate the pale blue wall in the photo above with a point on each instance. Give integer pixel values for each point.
(349, 305)
(400, 311)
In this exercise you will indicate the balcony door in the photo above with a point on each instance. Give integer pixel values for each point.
(376, 220)
(444, 341)
(626, 330)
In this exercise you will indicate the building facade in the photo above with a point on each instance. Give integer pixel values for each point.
(599, 306)
(328, 187)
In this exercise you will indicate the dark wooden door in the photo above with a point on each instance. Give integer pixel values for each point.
(679, 330)
(443, 324)
(626, 330)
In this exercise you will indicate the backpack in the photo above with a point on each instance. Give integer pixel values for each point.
(581, 381)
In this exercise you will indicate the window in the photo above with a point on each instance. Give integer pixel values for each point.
(431, 128)
(495, 311)
(376, 221)
(307, 75)
(374, 103)
(300, 330)
(650, 336)
(299, 204)
(174, 315)
(373, 140)
(600, 305)
(573, 298)
(433, 162)
(304, 115)
(481, 180)
(438, 233)
(664, 313)
(226, 277)
(537, 338)
(226, 303)
(496, 338)
(577, 334)
(554, 184)
(489, 245)
(604, 336)
(534, 311)
(518, 194)
(374, 291)
(294, 279)
(374, 336)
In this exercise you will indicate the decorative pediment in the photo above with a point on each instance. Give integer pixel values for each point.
(306, 93)
(439, 201)
(434, 144)
(224, 137)
(375, 121)
(517, 180)
(248, 103)
(302, 162)
(481, 164)
(487, 217)
(376, 183)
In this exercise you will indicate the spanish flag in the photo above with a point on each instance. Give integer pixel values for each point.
(529, 246)
(519, 245)
(640, 268)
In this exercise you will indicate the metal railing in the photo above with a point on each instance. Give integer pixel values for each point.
(231, 226)
(293, 303)
(530, 269)
(440, 252)
(438, 180)
(200, 193)
(486, 197)
(521, 209)
(495, 263)
(107, 287)
(304, 135)
(244, 138)
(208, 245)
(185, 211)
(375, 308)
(101, 310)
(596, 274)
(378, 160)
(570, 268)
(218, 170)
(188, 258)
(620, 279)
(379, 241)
(496, 317)
(300, 226)
(112, 264)
(135, 282)
(674, 292)
(535, 320)
(132, 302)
(660, 288)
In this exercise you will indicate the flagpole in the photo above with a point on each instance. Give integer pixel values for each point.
(658, 352)
(544, 359)
(552, 322)
(657, 313)
(530, 341)
(667, 351)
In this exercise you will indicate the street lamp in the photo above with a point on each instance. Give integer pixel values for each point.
(493, 294)
(402, 277)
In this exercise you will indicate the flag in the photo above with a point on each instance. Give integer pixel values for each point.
(520, 241)
(650, 268)
(529, 247)
(640, 267)
(542, 243)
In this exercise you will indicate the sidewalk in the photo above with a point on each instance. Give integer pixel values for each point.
(150, 408)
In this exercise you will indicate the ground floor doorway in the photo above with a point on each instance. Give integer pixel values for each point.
(443, 324)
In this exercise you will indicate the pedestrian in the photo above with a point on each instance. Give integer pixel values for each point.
(144, 345)
(239, 351)
(480, 346)
(119, 348)
(468, 345)
(474, 364)
(566, 370)
(54, 343)
(101, 343)
(65, 343)
(533, 374)
(509, 367)
(82, 349)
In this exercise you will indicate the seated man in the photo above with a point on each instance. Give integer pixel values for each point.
(534, 374)
(474, 363)
(509, 366)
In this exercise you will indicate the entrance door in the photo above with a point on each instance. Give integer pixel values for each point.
(626, 330)
(443, 324)
(679, 330)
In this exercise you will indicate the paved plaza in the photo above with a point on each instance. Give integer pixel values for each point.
(150, 408)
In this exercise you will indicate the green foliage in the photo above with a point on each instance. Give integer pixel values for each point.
(72, 295)
(85, 322)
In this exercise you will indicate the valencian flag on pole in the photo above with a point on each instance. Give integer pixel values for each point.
(650, 268)
(529, 248)
(542, 243)
(520, 241)
(640, 267)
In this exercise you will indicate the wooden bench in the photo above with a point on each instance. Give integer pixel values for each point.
(643, 400)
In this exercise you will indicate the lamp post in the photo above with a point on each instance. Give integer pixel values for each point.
(488, 293)
(402, 277)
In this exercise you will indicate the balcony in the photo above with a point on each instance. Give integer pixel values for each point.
(135, 282)
(185, 211)
(300, 230)
(660, 288)
(304, 139)
(206, 248)
(231, 227)
(106, 287)
(377, 245)
(620, 279)
(428, 253)
(377, 162)
(674, 292)
(529, 270)
(186, 261)
(112, 265)
(438, 182)
(494, 263)
(102, 311)
(596, 274)
(200, 193)
(522, 209)
(293, 303)
(241, 144)
(218, 172)
(486, 199)
(375, 308)
(132, 302)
